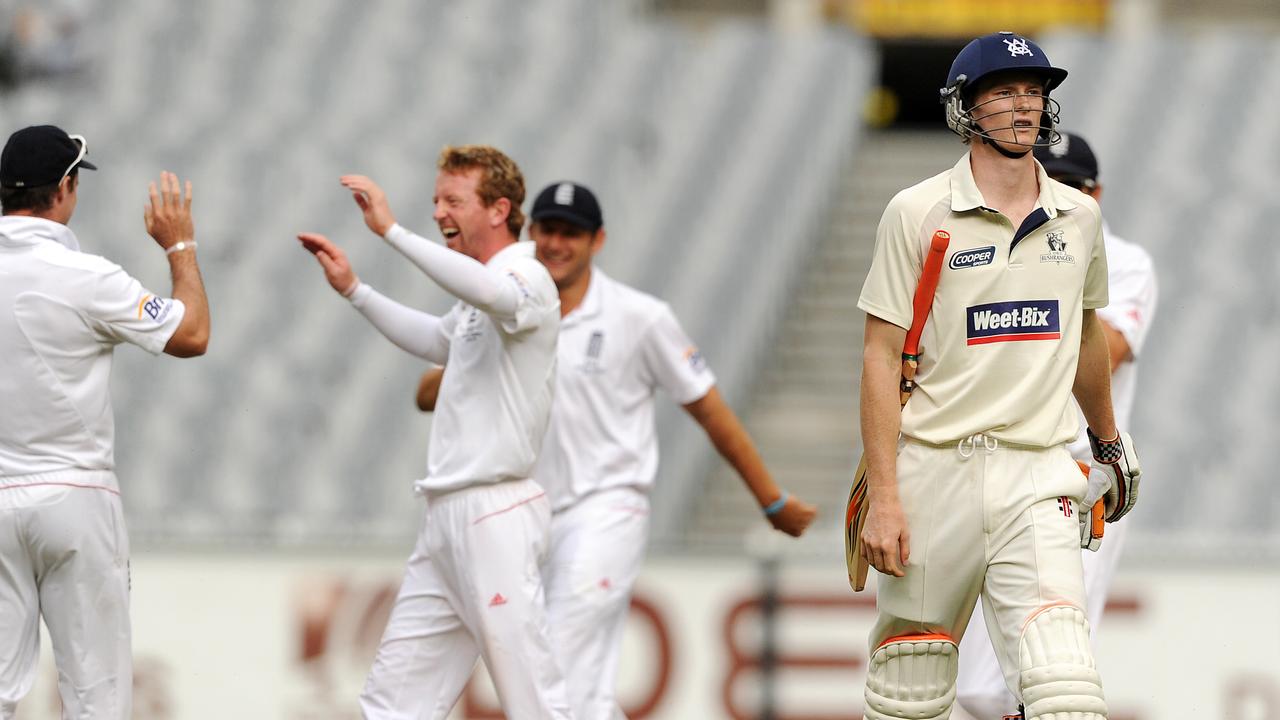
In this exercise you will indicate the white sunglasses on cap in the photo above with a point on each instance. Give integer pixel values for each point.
(84, 150)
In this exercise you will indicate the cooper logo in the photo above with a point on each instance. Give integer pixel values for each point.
(972, 258)
(1013, 321)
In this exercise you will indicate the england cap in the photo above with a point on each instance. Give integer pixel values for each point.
(41, 155)
(571, 202)
(1070, 159)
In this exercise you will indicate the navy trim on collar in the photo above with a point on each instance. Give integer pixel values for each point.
(1037, 218)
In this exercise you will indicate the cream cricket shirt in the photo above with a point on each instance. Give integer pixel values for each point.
(495, 399)
(1000, 347)
(616, 349)
(61, 314)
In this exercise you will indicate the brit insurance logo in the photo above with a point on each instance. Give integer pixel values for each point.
(972, 258)
(1057, 254)
(1013, 321)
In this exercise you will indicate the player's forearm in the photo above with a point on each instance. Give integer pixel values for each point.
(880, 404)
(881, 421)
(1092, 386)
(462, 277)
(734, 444)
(192, 336)
(411, 330)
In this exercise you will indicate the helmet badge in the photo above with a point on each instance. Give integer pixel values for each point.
(1018, 46)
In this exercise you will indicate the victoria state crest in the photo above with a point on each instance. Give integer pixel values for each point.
(1056, 239)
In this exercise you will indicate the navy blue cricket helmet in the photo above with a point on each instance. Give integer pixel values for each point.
(984, 56)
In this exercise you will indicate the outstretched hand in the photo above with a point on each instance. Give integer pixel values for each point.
(168, 213)
(372, 201)
(794, 517)
(337, 269)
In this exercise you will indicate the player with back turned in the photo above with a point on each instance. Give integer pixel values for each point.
(1131, 307)
(618, 347)
(473, 586)
(971, 487)
(64, 553)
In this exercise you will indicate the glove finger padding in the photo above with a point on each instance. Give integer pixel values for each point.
(1092, 528)
(1090, 510)
(1117, 459)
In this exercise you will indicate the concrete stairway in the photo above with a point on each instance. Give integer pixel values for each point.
(804, 416)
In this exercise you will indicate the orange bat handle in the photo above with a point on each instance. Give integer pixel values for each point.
(922, 302)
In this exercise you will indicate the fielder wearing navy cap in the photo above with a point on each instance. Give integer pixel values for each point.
(570, 202)
(1071, 161)
(41, 155)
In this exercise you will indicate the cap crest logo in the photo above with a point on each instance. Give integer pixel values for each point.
(564, 194)
(1018, 46)
(1062, 148)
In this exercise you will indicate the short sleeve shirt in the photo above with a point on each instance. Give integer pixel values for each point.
(1001, 344)
(495, 400)
(617, 349)
(62, 312)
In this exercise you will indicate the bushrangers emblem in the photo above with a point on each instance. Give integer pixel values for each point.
(1056, 243)
(1057, 249)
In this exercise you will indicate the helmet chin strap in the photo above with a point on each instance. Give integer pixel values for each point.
(1007, 153)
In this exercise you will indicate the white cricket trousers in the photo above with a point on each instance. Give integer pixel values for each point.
(473, 588)
(597, 550)
(64, 554)
(985, 519)
(980, 687)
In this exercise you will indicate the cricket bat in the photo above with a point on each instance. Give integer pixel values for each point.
(855, 515)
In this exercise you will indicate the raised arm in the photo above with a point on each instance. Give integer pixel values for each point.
(413, 331)
(168, 221)
(461, 276)
(733, 443)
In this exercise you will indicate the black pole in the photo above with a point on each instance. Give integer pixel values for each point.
(768, 636)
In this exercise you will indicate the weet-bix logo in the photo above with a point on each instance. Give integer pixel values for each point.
(1011, 321)
(972, 258)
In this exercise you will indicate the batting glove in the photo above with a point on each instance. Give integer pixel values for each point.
(1116, 459)
(1090, 512)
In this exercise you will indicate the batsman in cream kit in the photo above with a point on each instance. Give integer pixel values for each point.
(974, 494)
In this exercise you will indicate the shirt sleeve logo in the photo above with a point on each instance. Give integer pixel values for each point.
(1013, 321)
(972, 258)
(693, 356)
(153, 307)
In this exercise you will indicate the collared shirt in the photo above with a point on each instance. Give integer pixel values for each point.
(1131, 278)
(616, 350)
(61, 314)
(1000, 348)
(495, 399)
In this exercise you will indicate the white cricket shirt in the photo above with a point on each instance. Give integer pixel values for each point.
(61, 314)
(1131, 279)
(616, 349)
(1000, 348)
(495, 399)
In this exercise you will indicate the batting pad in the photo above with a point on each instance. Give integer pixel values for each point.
(1059, 681)
(912, 677)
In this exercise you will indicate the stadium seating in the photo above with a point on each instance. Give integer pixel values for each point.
(712, 151)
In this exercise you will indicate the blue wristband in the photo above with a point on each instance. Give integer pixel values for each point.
(776, 506)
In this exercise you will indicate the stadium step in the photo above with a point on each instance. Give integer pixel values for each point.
(804, 415)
